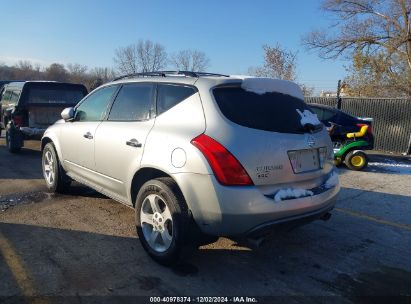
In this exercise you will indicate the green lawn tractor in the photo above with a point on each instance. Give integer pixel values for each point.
(349, 147)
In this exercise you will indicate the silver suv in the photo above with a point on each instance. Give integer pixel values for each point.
(197, 155)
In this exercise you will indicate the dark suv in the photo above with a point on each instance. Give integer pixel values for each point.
(345, 122)
(29, 107)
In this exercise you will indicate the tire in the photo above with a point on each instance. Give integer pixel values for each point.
(14, 140)
(356, 160)
(56, 179)
(163, 221)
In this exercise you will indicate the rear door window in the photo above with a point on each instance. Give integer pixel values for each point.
(134, 102)
(272, 111)
(169, 95)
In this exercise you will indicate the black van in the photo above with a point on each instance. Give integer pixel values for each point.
(27, 108)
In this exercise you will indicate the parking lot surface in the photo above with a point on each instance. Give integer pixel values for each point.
(83, 243)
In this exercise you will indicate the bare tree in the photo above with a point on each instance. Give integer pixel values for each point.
(57, 72)
(190, 60)
(307, 90)
(77, 72)
(374, 34)
(144, 56)
(26, 71)
(126, 60)
(151, 56)
(278, 63)
(103, 73)
(98, 76)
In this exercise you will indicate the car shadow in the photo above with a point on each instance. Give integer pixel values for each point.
(351, 255)
(23, 165)
(77, 189)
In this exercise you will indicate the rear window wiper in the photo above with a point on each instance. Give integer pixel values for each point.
(309, 128)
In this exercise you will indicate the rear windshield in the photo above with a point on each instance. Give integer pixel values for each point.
(272, 111)
(63, 94)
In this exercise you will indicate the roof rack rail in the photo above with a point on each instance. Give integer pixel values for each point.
(166, 73)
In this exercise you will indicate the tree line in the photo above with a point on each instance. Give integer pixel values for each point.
(147, 56)
(374, 36)
(143, 56)
(72, 72)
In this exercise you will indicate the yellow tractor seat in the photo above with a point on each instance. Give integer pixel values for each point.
(361, 133)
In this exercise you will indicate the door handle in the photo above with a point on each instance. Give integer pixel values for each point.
(88, 135)
(133, 143)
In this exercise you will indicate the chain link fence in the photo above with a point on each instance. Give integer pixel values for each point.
(392, 119)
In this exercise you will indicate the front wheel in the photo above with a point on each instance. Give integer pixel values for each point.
(356, 160)
(163, 221)
(54, 174)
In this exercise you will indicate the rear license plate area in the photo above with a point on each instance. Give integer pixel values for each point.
(304, 160)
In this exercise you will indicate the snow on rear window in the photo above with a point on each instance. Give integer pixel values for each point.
(267, 85)
(308, 118)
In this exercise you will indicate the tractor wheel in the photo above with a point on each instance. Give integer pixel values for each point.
(356, 160)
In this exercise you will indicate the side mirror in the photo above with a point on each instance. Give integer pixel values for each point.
(68, 114)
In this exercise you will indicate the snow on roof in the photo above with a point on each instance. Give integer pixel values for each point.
(260, 85)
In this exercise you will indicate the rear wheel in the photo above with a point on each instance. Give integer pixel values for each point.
(163, 221)
(53, 172)
(356, 160)
(14, 139)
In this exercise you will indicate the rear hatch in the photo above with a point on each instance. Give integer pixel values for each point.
(45, 101)
(264, 132)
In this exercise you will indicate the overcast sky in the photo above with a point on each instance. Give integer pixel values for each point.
(231, 33)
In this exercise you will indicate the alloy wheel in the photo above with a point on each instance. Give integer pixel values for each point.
(48, 165)
(156, 223)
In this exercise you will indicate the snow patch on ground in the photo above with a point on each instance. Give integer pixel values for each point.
(392, 166)
(308, 117)
(266, 85)
(332, 181)
(291, 193)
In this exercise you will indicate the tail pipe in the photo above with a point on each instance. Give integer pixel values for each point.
(326, 216)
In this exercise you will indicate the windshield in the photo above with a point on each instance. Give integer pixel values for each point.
(272, 111)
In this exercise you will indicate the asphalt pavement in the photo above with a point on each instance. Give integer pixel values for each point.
(84, 244)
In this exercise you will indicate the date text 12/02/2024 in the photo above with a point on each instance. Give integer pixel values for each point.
(239, 299)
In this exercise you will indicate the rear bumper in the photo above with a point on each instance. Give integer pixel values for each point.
(290, 222)
(35, 133)
(238, 211)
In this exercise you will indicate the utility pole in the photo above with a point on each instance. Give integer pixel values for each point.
(338, 95)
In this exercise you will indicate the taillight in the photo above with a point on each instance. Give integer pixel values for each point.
(227, 169)
(17, 120)
(369, 130)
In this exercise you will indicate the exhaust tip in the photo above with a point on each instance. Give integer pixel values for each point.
(326, 216)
